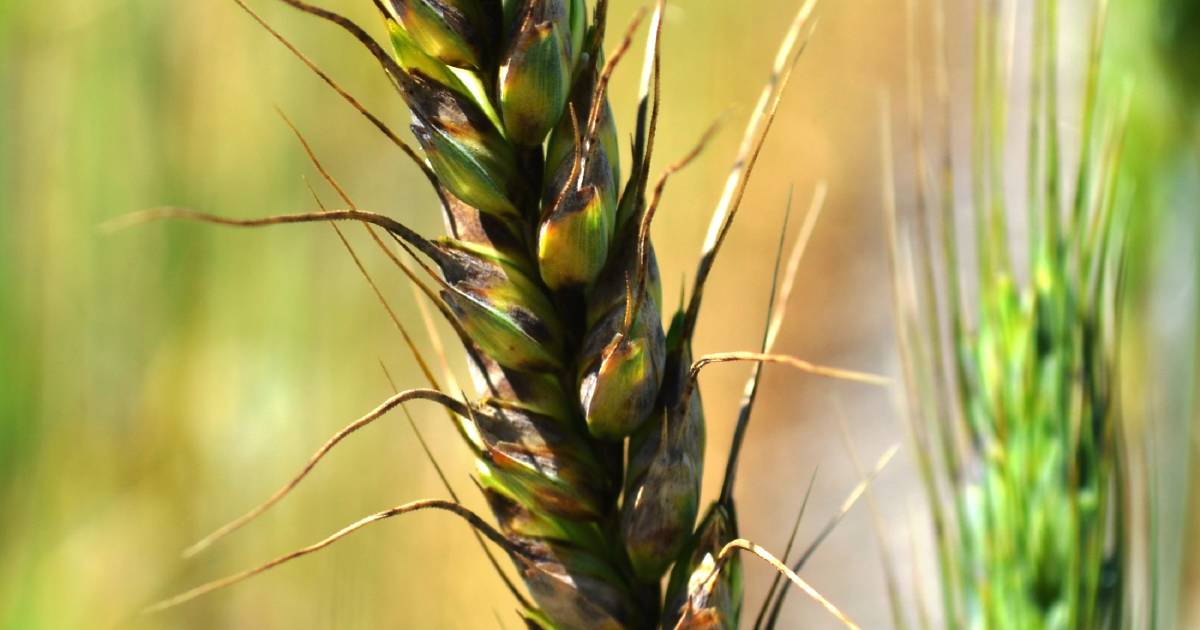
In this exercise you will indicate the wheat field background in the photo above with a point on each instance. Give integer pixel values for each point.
(158, 380)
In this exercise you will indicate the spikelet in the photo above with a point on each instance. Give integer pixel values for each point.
(458, 33)
(535, 74)
(694, 601)
(662, 491)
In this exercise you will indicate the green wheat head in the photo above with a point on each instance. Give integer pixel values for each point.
(1014, 382)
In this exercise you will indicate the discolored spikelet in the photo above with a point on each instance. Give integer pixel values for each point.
(549, 464)
(694, 601)
(458, 133)
(662, 490)
(576, 589)
(458, 33)
(663, 495)
(503, 310)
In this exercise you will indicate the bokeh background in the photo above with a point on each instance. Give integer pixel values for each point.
(159, 380)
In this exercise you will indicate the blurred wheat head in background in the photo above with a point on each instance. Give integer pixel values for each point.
(1011, 308)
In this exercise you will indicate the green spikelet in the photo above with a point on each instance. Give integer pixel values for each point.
(578, 225)
(564, 140)
(575, 234)
(535, 75)
(620, 381)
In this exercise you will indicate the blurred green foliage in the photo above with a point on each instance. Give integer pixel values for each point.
(124, 389)
(1156, 56)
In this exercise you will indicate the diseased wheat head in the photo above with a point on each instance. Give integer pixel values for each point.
(588, 430)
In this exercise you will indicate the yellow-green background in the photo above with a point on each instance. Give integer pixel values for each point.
(157, 381)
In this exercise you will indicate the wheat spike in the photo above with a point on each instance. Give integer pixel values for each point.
(1022, 407)
(550, 280)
